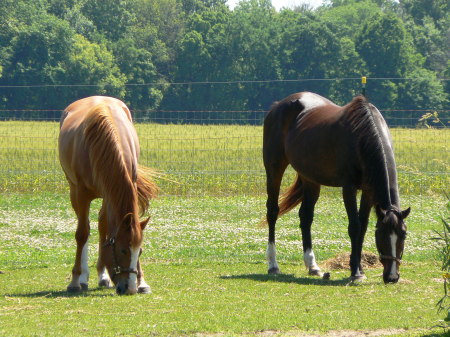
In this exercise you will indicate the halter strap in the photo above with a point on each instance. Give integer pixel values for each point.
(392, 258)
(117, 269)
(395, 210)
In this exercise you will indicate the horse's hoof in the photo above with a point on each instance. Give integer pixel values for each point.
(315, 272)
(274, 271)
(326, 276)
(74, 289)
(84, 286)
(358, 279)
(144, 290)
(104, 284)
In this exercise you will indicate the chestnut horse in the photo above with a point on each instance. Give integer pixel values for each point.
(98, 151)
(348, 147)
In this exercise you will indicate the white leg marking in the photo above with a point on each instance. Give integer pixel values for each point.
(310, 260)
(271, 255)
(143, 284)
(103, 278)
(132, 278)
(84, 277)
(393, 237)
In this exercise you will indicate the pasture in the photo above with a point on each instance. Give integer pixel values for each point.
(204, 253)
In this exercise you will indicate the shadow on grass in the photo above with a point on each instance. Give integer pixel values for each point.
(288, 278)
(96, 292)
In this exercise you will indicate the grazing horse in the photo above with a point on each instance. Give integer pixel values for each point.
(348, 147)
(98, 151)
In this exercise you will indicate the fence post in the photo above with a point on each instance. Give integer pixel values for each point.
(363, 83)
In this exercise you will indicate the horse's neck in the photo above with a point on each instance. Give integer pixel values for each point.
(117, 212)
(385, 183)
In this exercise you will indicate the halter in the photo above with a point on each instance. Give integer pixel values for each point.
(117, 269)
(388, 257)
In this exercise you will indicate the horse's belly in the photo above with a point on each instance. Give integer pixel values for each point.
(319, 175)
(319, 165)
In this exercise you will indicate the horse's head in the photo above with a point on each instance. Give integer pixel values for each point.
(121, 254)
(390, 237)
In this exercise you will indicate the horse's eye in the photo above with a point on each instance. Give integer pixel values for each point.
(124, 251)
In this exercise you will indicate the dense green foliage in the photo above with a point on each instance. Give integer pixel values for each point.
(154, 53)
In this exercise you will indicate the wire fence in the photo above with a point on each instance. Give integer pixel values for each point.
(211, 151)
(205, 158)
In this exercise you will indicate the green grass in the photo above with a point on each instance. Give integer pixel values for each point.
(217, 160)
(204, 254)
(204, 259)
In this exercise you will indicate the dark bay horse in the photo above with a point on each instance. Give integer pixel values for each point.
(98, 151)
(348, 147)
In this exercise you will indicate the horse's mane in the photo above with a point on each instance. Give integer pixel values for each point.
(359, 118)
(110, 173)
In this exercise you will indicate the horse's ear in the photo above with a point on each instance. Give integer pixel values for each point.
(127, 219)
(144, 223)
(380, 213)
(405, 213)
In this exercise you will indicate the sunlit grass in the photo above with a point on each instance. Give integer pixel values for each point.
(219, 160)
(205, 261)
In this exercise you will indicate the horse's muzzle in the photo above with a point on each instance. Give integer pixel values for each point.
(123, 288)
(391, 278)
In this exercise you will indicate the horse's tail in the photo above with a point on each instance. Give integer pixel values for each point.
(291, 197)
(146, 188)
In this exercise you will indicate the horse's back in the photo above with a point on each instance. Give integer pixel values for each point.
(314, 139)
(74, 148)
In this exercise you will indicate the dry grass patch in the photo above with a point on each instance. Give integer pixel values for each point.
(341, 261)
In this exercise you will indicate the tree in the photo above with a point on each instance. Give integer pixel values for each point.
(36, 55)
(111, 17)
(388, 51)
(93, 66)
(141, 74)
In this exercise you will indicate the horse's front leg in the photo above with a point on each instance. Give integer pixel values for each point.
(306, 213)
(80, 271)
(354, 231)
(103, 277)
(364, 212)
(142, 286)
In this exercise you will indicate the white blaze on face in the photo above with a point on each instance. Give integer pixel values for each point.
(393, 238)
(132, 279)
(311, 101)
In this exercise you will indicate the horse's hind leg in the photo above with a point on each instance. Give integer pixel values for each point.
(274, 173)
(103, 277)
(80, 271)
(306, 213)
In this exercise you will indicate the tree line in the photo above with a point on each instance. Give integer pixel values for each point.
(200, 55)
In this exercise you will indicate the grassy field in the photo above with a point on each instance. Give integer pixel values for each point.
(213, 159)
(204, 253)
(204, 259)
